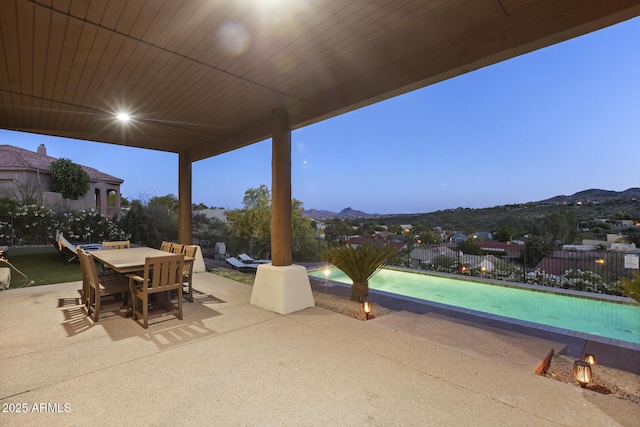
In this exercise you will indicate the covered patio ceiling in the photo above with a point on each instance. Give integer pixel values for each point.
(202, 77)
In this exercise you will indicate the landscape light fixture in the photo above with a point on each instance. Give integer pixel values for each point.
(590, 359)
(367, 309)
(582, 372)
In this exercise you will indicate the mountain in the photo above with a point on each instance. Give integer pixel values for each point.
(595, 195)
(587, 197)
(318, 213)
(344, 213)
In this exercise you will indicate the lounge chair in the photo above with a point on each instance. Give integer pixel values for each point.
(239, 265)
(248, 260)
(68, 251)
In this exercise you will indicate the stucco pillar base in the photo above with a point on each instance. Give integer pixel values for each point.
(282, 289)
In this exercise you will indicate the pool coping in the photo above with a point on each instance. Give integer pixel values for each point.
(618, 354)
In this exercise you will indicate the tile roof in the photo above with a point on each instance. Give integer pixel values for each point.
(18, 158)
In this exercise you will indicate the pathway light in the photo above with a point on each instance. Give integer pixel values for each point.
(582, 372)
(590, 359)
(367, 309)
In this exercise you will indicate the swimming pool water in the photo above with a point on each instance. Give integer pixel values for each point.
(591, 316)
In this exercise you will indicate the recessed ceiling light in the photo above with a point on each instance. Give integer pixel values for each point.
(123, 117)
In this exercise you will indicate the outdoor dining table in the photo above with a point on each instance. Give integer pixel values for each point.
(129, 260)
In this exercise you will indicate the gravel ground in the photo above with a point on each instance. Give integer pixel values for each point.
(606, 380)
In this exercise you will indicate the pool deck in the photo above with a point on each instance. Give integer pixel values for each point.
(231, 363)
(614, 353)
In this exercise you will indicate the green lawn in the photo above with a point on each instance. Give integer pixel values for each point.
(246, 278)
(42, 264)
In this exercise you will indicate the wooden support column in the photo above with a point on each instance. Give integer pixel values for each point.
(185, 235)
(281, 286)
(281, 252)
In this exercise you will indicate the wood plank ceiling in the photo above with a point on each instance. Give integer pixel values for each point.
(201, 77)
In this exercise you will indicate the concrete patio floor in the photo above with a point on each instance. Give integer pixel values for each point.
(231, 363)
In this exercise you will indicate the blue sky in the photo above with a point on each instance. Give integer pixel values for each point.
(556, 121)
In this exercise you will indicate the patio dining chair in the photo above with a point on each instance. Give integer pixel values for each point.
(177, 248)
(96, 287)
(167, 277)
(189, 251)
(116, 244)
(120, 244)
(165, 246)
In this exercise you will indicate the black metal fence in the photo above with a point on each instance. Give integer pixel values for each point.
(306, 249)
(23, 230)
(592, 271)
(595, 270)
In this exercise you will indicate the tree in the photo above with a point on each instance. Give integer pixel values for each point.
(168, 202)
(255, 219)
(365, 229)
(504, 233)
(470, 247)
(27, 190)
(536, 248)
(561, 226)
(337, 230)
(427, 237)
(632, 235)
(69, 179)
(360, 264)
(138, 224)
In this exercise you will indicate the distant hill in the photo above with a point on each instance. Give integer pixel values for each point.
(596, 195)
(344, 213)
(594, 204)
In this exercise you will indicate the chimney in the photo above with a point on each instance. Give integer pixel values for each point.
(42, 150)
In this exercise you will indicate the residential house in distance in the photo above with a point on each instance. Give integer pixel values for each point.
(458, 237)
(427, 254)
(482, 235)
(406, 228)
(558, 263)
(356, 241)
(24, 172)
(511, 250)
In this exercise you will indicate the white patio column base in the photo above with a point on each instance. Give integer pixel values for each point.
(198, 263)
(282, 289)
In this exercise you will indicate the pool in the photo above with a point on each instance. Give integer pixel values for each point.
(595, 316)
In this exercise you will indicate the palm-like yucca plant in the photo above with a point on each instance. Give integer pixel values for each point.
(630, 287)
(360, 264)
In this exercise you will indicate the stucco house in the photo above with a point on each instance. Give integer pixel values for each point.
(427, 254)
(26, 173)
